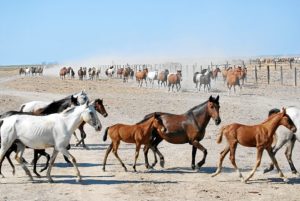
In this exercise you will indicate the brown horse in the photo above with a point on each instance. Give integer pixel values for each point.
(125, 74)
(140, 76)
(139, 133)
(174, 80)
(99, 107)
(186, 128)
(62, 73)
(80, 73)
(120, 73)
(259, 136)
(215, 73)
(163, 77)
(233, 79)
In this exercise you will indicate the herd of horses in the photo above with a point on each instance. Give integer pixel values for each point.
(232, 76)
(40, 125)
(31, 71)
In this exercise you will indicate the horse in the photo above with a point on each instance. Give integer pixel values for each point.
(284, 136)
(110, 71)
(139, 133)
(140, 76)
(152, 75)
(99, 107)
(120, 72)
(188, 127)
(259, 136)
(174, 79)
(92, 73)
(125, 74)
(233, 79)
(84, 72)
(80, 73)
(62, 73)
(215, 72)
(40, 132)
(163, 77)
(204, 79)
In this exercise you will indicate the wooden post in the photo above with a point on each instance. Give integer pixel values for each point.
(255, 73)
(295, 76)
(259, 65)
(290, 63)
(268, 74)
(275, 64)
(281, 75)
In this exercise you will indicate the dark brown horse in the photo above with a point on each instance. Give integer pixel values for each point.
(99, 107)
(125, 74)
(215, 73)
(163, 77)
(80, 73)
(140, 76)
(259, 136)
(174, 79)
(62, 73)
(187, 128)
(139, 133)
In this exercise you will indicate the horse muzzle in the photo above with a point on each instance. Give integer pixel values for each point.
(105, 115)
(218, 121)
(98, 128)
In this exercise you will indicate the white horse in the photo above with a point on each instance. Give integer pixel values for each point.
(286, 137)
(36, 105)
(152, 75)
(40, 132)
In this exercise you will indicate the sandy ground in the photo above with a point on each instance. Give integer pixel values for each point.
(177, 181)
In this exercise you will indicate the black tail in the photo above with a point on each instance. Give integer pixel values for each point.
(105, 134)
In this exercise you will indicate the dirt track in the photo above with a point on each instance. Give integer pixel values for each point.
(128, 104)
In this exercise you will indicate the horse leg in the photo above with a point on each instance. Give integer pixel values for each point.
(288, 154)
(52, 159)
(9, 160)
(137, 150)
(222, 156)
(269, 149)
(35, 157)
(194, 151)
(232, 159)
(109, 148)
(199, 146)
(44, 153)
(19, 158)
(77, 140)
(258, 160)
(66, 153)
(146, 149)
(155, 150)
(115, 151)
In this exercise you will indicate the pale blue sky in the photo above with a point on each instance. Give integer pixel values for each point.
(34, 31)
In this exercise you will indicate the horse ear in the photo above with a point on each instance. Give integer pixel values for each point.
(210, 98)
(283, 110)
(217, 99)
(74, 100)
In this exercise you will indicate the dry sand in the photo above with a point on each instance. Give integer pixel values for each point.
(177, 181)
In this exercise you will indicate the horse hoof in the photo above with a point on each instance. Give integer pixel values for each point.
(103, 169)
(78, 179)
(162, 163)
(193, 167)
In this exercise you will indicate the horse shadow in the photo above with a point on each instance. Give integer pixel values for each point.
(183, 170)
(64, 165)
(91, 146)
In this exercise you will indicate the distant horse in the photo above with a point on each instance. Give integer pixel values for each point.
(140, 76)
(174, 79)
(152, 75)
(80, 73)
(186, 128)
(286, 137)
(92, 73)
(224, 73)
(259, 136)
(233, 79)
(243, 75)
(120, 73)
(215, 72)
(125, 74)
(203, 79)
(110, 71)
(62, 73)
(139, 133)
(21, 71)
(84, 72)
(163, 77)
(40, 132)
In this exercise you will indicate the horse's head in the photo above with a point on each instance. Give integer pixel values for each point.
(213, 109)
(90, 116)
(158, 123)
(287, 121)
(99, 107)
(81, 97)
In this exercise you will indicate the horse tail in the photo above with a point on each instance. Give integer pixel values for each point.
(22, 107)
(105, 134)
(219, 138)
(194, 78)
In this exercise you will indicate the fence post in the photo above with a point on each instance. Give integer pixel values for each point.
(268, 74)
(255, 73)
(275, 64)
(290, 63)
(281, 75)
(295, 76)
(259, 65)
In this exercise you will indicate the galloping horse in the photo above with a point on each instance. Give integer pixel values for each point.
(140, 76)
(215, 73)
(174, 79)
(259, 136)
(163, 77)
(152, 75)
(186, 128)
(62, 73)
(204, 79)
(139, 133)
(40, 132)
(285, 136)
(233, 79)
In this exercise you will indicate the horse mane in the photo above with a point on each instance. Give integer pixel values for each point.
(57, 106)
(13, 112)
(68, 110)
(270, 117)
(273, 111)
(197, 106)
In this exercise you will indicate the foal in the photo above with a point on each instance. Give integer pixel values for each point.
(259, 136)
(139, 133)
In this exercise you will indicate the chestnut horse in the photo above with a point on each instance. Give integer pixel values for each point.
(62, 73)
(139, 133)
(163, 77)
(259, 136)
(186, 128)
(215, 73)
(233, 79)
(174, 80)
(140, 76)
